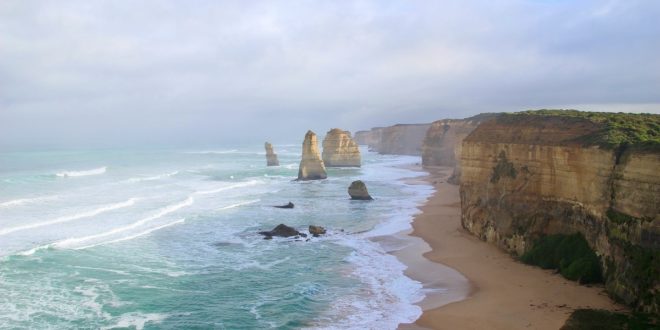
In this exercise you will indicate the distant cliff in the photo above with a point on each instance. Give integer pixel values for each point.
(442, 144)
(529, 175)
(401, 139)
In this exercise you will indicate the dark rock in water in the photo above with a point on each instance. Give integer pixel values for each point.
(281, 230)
(316, 231)
(358, 190)
(285, 206)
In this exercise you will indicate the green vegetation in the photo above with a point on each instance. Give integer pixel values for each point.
(644, 271)
(503, 168)
(619, 218)
(570, 254)
(598, 319)
(619, 129)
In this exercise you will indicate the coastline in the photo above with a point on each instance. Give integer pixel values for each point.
(499, 292)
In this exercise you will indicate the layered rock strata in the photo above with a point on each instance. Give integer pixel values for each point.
(311, 165)
(271, 156)
(527, 176)
(339, 149)
(402, 139)
(442, 144)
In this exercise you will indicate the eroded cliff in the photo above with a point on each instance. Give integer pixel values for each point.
(442, 144)
(402, 139)
(339, 149)
(526, 176)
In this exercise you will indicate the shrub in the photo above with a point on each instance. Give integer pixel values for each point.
(570, 254)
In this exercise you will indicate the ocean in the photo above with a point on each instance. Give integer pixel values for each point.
(168, 239)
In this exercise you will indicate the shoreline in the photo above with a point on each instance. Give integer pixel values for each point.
(497, 291)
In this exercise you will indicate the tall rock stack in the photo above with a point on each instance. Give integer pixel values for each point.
(271, 156)
(339, 149)
(311, 165)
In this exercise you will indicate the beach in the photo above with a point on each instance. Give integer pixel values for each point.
(503, 293)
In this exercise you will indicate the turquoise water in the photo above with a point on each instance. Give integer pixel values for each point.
(167, 239)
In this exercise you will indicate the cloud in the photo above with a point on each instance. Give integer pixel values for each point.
(121, 72)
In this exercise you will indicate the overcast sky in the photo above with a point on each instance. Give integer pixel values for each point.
(105, 73)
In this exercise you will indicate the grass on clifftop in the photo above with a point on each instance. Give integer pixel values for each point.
(619, 129)
(570, 254)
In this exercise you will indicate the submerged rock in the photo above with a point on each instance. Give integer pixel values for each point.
(281, 230)
(316, 231)
(271, 156)
(358, 190)
(339, 149)
(285, 206)
(311, 165)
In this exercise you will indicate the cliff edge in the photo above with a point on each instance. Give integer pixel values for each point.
(529, 175)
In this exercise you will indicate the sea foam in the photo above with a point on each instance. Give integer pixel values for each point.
(95, 171)
(72, 217)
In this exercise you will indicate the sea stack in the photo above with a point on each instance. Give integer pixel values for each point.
(358, 190)
(339, 149)
(311, 165)
(271, 156)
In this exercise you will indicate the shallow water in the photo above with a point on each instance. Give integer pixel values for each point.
(167, 239)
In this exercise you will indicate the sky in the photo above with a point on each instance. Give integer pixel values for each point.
(83, 73)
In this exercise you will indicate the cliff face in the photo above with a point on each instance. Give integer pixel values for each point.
(402, 139)
(442, 144)
(524, 177)
(370, 138)
(271, 157)
(311, 165)
(339, 149)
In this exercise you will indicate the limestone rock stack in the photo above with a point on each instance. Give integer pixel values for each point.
(311, 165)
(271, 156)
(339, 149)
(358, 190)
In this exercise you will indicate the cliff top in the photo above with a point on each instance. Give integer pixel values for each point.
(605, 129)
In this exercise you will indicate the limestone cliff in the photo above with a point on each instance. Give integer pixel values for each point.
(528, 175)
(311, 165)
(370, 138)
(442, 144)
(271, 156)
(402, 139)
(339, 149)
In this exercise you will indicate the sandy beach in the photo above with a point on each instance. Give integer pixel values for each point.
(502, 293)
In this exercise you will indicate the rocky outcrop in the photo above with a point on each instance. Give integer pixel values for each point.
(285, 206)
(442, 144)
(271, 157)
(339, 149)
(281, 230)
(358, 190)
(311, 165)
(525, 176)
(316, 231)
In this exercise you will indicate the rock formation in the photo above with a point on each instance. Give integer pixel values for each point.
(528, 175)
(281, 230)
(370, 138)
(339, 149)
(316, 231)
(285, 206)
(311, 165)
(442, 144)
(358, 190)
(271, 156)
